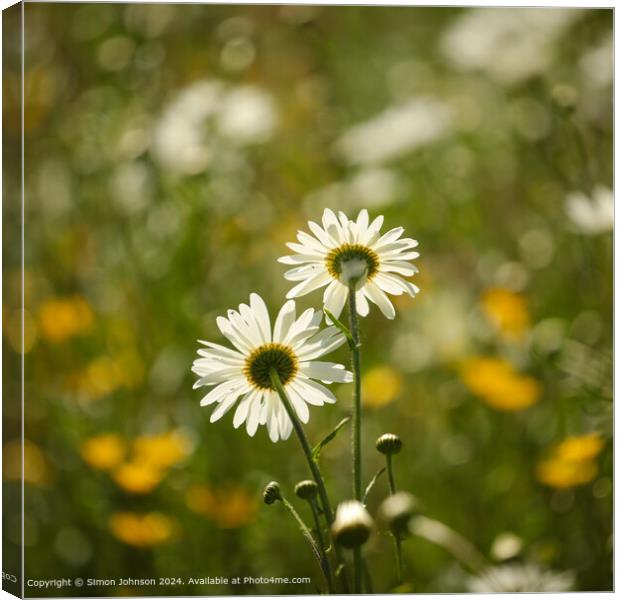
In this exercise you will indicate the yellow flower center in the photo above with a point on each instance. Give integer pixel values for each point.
(351, 253)
(270, 356)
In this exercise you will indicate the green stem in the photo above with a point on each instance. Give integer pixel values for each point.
(324, 566)
(357, 397)
(390, 470)
(397, 541)
(357, 570)
(314, 467)
(321, 543)
(357, 427)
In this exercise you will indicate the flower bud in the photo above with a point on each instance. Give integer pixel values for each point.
(389, 443)
(352, 525)
(272, 493)
(307, 489)
(396, 511)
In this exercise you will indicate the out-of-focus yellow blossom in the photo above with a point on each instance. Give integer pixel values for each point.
(200, 499)
(138, 478)
(141, 530)
(161, 451)
(230, 507)
(104, 451)
(559, 473)
(36, 466)
(381, 385)
(63, 318)
(571, 462)
(12, 322)
(105, 374)
(498, 384)
(507, 310)
(580, 447)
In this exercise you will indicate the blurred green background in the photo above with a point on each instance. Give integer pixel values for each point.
(172, 150)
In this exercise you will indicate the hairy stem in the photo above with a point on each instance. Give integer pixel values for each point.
(321, 543)
(397, 541)
(357, 426)
(314, 467)
(324, 566)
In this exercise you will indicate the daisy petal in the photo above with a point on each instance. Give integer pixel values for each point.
(322, 235)
(327, 372)
(219, 392)
(316, 392)
(320, 344)
(222, 349)
(300, 273)
(251, 424)
(223, 407)
(243, 409)
(309, 285)
(297, 259)
(299, 404)
(361, 304)
(286, 425)
(377, 296)
(262, 316)
(388, 284)
(213, 377)
(334, 297)
(229, 332)
(312, 243)
(284, 321)
(362, 221)
(398, 266)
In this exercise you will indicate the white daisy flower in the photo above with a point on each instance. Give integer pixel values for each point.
(342, 251)
(291, 348)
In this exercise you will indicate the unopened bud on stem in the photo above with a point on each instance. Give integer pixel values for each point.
(272, 493)
(396, 511)
(307, 489)
(352, 525)
(389, 443)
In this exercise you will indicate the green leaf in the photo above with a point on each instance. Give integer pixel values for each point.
(342, 327)
(316, 451)
(372, 484)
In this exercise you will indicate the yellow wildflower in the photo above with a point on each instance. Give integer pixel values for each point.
(141, 530)
(201, 499)
(230, 507)
(104, 451)
(106, 374)
(498, 384)
(507, 310)
(571, 462)
(36, 466)
(558, 473)
(64, 318)
(161, 451)
(381, 385)
(580, 447)
(137, 478)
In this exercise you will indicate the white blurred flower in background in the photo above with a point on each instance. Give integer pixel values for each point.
(247, 116)
(509, 44)
(591, 215)
(370, 187)
(596, 67)
(520, 578)
(597, 63)
(206, 115)
(395, 132)
(441, 333)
